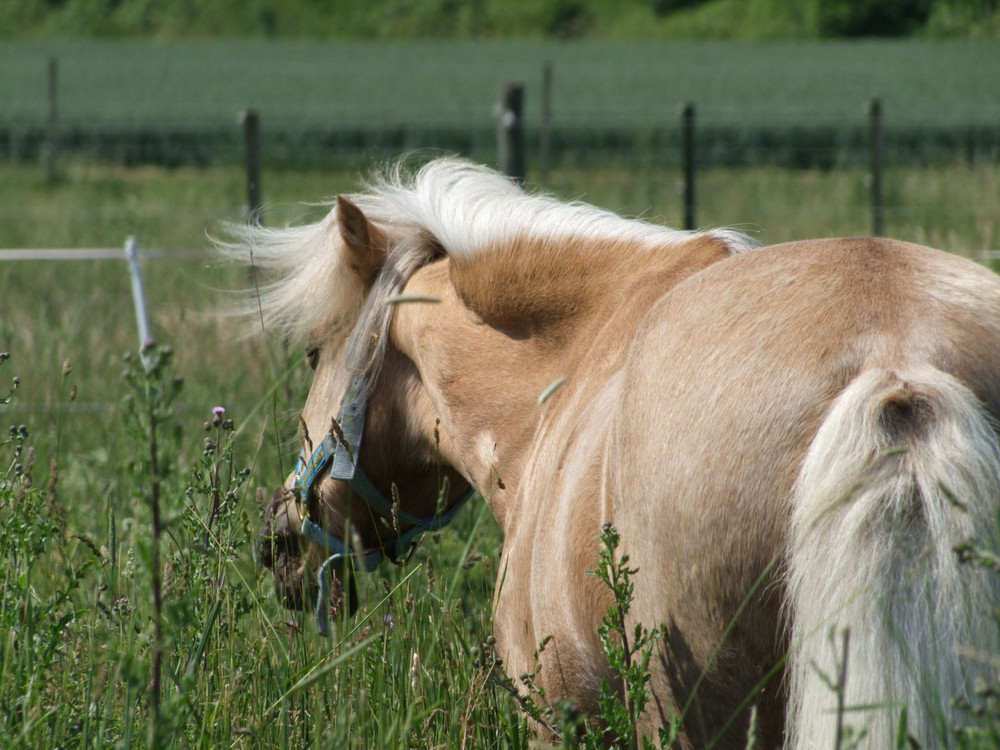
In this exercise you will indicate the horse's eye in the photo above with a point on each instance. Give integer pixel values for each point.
(312, 357)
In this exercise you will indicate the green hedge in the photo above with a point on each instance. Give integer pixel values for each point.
(304, 146)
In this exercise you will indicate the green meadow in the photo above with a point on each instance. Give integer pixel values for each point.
(414, 668)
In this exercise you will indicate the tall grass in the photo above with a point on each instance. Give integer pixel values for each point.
(78, 615)
(77, 565)
(143, 619)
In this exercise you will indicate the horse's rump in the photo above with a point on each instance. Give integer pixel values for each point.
(727, 387)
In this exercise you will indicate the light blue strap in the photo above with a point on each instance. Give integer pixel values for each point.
(351, 421)
(363, 486)
(308, 469)
(330, 542)
(367, 562)
(341, 552)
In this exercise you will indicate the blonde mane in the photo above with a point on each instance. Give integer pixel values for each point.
(449, 206)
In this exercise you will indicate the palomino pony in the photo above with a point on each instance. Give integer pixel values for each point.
(791, 440)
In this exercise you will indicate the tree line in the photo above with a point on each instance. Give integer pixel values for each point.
(566, 19)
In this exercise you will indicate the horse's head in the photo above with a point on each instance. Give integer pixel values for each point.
(369, 477)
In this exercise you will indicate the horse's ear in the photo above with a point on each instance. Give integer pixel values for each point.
(366, 243)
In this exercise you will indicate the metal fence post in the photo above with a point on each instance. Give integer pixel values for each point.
(510, 130)
(687, 158)
(875, 142)
(139, 298)
(250, 121)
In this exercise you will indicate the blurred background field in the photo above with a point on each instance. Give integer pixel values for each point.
(147, 143)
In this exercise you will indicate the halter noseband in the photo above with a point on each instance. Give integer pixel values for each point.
(341, 447)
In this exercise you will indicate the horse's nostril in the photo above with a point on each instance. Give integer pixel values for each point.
(272, 546)
(282, 555)
(282, 526)
(292, 582)
(265, 553)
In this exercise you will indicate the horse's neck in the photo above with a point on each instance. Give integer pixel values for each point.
(508, 329)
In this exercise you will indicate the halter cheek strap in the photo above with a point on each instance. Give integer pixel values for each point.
(340, 449)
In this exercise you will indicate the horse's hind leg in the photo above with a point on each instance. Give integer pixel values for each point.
(731, 703)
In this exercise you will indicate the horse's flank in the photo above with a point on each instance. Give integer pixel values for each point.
(684, 423)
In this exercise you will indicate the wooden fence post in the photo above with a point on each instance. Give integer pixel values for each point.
(250, 121)
(51, 131)
(875, 142)
(546, 140)
(687, 158)
(510, 130)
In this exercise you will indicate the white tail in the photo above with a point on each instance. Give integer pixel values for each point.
(905, 466)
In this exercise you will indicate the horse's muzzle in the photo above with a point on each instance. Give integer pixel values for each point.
(281, 549)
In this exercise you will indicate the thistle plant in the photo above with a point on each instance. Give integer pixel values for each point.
(216, 478)
(150, 409)
(217, 527)
(198, 529)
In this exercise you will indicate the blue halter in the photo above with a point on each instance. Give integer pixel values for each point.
(340, 448)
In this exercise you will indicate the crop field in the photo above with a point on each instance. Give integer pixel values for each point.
(77, 620)
(940, 83)
(382, 97)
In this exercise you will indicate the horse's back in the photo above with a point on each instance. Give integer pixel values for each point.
(750, 352)
(726, 386)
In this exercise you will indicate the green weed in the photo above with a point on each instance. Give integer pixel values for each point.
(628, 654)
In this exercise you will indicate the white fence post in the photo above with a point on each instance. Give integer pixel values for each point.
(138, 296)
